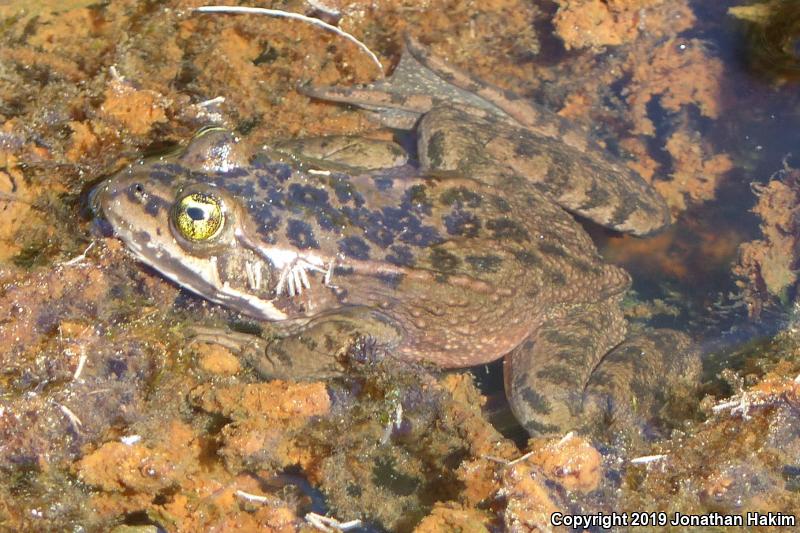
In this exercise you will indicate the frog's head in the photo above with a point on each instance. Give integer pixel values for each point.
(174, 215)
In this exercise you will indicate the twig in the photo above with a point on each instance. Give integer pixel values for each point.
(81, 363)
(646, 459)
(325, 523)
(212, 101)
(293, 16)
(251, 497)
(82, 257)
(73, 418)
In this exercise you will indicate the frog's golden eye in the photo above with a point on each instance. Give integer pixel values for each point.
(198, 217)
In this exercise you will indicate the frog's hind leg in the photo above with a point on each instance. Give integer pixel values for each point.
(468, 123)
(412, 90)
(546, 375)
(587, 182)
(633, 383)
(421, 81)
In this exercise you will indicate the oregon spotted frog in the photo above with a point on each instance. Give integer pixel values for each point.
(466, 257)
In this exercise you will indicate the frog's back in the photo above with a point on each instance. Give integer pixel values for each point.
(467, 270)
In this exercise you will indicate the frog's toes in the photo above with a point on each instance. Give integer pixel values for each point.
(243, 344)
(292, 280)
(634, 383)
(255, 274)
(365, 349)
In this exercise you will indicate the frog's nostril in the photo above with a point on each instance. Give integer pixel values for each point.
(137, 192)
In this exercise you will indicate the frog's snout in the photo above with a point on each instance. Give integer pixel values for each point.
(112, 196)
(95, 199)
(101, 226)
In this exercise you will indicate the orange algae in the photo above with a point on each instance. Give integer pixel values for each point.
(767, 266)
(597, 23)
(135, 110)
(697, 170)
(572, 462)
(216, 359)
(679, 72)
(530, 505)
(448, 517)
(272, 400)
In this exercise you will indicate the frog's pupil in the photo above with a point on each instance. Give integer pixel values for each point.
(196, 213)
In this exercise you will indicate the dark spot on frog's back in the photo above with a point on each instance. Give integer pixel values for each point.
(584, 267)
(400, 255)
(551, 249)
(355, 248)
(459, 222)
(300, 234)
(329, 219)
(505, 228)
(501, 204)
(281, 171)
(416, 199)
(560, 374)
(526, 148)
(563, 339)
(166, 172)
(265, 219)
(536, 401)
(484, 263)
(383, 183)
(154, 205)
(422, 236)
(270, 168)
(436, 149)
(460, 196)
(528, 258)
(343, 270)
(345, 191)
(377, 232)
(628, 204)
(556, 278)
(244, 187)
(142, 237)
(596, 196)
(391, 279)
(397, 99)
(307, 195)
(443, 261)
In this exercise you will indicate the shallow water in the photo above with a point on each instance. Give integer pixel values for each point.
(707, 107)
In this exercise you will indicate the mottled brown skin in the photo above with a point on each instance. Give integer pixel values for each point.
(469, 257)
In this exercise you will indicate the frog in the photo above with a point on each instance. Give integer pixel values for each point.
(460, 254)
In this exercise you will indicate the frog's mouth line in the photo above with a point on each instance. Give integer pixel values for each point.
(200, 277)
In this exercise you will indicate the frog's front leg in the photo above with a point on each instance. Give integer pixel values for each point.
(546, 375)
(316, 350)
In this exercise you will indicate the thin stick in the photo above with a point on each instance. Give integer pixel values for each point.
(294, 16)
